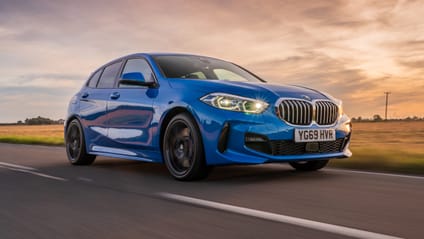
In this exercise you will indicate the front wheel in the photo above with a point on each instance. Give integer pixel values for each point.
(309, 165)
(75, 145)
(183, 149)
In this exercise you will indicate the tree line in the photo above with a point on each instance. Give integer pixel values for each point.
(378, 118)
(39, 121)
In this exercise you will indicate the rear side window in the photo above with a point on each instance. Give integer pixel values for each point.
(92, 83)
(107, 80)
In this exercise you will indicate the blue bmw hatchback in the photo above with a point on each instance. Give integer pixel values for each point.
(193, 112)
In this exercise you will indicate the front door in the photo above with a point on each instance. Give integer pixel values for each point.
(130, 112)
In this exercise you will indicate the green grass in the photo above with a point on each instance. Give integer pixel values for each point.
(16, 139)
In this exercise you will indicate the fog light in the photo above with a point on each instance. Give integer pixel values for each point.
(252, 138)
(258, 143)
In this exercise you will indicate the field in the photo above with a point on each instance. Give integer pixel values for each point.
(392, 146)
(380, 146)
(32, 134)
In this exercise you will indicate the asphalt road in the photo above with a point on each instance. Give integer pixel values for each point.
(43, 196)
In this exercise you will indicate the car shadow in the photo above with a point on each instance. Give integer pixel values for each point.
(266, 172)
(232, 174)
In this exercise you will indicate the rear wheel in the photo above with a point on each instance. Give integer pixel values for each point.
(309, 165)
(183, 149)
(75, 145)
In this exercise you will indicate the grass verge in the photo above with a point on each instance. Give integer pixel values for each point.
(58, 141)
(384, 159)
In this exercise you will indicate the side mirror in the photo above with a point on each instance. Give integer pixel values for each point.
(135, 78)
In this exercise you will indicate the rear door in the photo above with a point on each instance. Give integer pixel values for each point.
(93, 105)
(130, 110)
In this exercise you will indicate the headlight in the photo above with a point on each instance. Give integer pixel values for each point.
(235, 103)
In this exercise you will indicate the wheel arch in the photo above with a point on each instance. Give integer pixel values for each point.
(69, 120)
(169, 115)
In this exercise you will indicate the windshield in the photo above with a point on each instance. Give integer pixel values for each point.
(198, 67)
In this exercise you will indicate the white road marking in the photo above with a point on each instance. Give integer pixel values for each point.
(48, 176)
(16, 166)
(85, 179)
(375, 173)
(331, 228)
(24, 169)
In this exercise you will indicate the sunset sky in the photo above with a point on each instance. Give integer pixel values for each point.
(354, 50)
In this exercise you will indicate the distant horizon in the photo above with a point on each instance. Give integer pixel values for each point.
(414, 117)
(354, 51)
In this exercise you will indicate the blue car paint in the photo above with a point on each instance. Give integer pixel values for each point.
(130, 126)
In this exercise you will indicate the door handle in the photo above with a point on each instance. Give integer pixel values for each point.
(115, 95)
(84, 95)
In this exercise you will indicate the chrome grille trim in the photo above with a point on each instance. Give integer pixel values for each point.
(303, 112)
(298, 112)
(327, 111)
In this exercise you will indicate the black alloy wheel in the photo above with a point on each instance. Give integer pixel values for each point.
(183, 149)
(75, 145)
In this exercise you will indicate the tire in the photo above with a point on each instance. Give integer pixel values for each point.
(182, 149)
(309, 165)
(75, 145)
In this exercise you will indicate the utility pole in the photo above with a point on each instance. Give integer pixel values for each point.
(387, 103)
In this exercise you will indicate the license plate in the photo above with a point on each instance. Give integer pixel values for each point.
(314, 135)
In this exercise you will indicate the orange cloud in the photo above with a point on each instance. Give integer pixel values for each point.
(354, 50)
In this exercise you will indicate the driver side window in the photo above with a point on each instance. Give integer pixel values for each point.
(138, 66)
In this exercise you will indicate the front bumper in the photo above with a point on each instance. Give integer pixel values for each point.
(226, 135)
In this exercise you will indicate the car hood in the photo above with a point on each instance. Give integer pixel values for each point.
(247, 89)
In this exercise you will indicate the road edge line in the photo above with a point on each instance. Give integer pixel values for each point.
(34, 173)
(321, 226)
(373, 173)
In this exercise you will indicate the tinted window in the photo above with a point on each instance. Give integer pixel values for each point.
(94, 79)
(107, 80)
(223, 74)
(197, 67)
(195, 75)
(141, 66)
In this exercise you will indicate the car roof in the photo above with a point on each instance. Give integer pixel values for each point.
(153, 54)
(164, 54)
